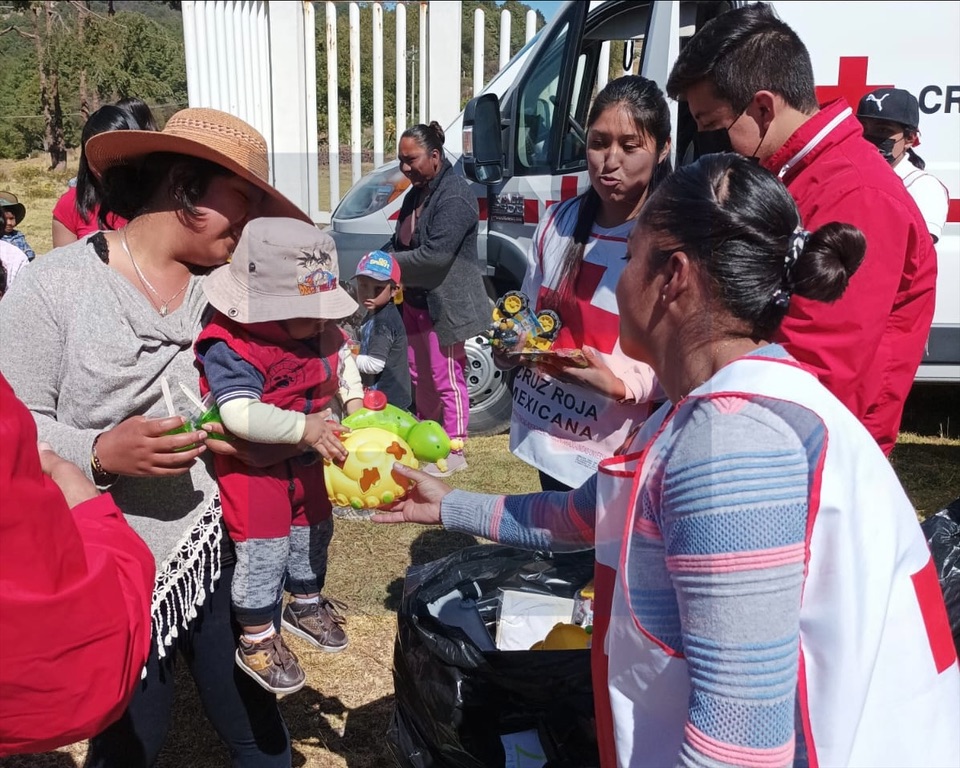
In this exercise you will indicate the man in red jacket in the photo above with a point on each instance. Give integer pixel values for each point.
(748, 81)
(75, 590)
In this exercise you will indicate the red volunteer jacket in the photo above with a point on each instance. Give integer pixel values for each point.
(75, 588)
(866, 347)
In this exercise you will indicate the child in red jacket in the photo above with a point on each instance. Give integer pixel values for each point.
(271, 357)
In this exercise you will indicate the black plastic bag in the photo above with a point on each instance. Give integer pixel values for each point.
(942, 531)
(453, 701)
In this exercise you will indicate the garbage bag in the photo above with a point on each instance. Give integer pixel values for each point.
(455, 702)
(942, 531)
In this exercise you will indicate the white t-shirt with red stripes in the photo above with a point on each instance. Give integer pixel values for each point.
(563, 429)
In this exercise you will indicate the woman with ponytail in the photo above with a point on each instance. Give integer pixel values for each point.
(764, 593)
(567, 419)
(444, 299)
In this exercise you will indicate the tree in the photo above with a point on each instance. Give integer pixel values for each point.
(68, 58)
(45, 16)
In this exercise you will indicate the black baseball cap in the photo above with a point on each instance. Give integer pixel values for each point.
(894, 104)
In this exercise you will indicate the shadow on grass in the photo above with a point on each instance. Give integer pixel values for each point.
(430, 545)
(309, 715)
(48, 760)
(929, 472)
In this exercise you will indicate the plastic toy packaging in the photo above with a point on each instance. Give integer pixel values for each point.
(516, 328)
(380, 435)
(518, 331)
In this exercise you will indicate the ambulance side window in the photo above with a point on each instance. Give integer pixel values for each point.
(573, 147)
(538, 101)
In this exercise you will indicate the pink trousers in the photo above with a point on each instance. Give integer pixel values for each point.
(436, 374)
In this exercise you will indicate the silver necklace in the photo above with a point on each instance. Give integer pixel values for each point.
(164, 306)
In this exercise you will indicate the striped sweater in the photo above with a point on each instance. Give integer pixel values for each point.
(717, 555)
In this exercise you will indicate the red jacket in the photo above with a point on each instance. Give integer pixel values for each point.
(75, 590)
(867, 346)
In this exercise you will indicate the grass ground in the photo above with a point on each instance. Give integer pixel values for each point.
(339, 719)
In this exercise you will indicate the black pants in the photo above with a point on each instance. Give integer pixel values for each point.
(550, 483)
(244, 714)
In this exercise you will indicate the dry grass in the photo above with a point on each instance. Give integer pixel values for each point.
(340, 718)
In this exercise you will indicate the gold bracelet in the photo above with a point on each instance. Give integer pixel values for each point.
(101, 478)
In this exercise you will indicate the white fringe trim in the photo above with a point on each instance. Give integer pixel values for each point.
(179, 589)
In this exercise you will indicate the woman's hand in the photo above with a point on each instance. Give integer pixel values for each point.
(252, 454)
(75, 486)
(597, 375)
(140, 447)
(422, 502)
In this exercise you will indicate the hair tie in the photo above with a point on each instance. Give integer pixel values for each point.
(798, 241)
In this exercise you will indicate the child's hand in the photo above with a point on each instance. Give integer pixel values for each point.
(323, 435)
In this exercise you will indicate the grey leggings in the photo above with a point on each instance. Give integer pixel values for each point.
(265, 567)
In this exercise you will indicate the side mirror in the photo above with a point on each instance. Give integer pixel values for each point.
(482, 148)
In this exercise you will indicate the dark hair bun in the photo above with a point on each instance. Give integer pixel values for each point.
(829, 259)
(438, 131)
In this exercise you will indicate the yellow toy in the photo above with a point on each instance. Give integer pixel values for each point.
(563, 637)
(515, 324)
(366, 479)
(380, 435)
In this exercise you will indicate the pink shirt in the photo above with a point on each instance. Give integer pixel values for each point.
(65, 211)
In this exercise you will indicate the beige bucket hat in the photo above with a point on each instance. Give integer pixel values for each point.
(281, 269)
(208, 134)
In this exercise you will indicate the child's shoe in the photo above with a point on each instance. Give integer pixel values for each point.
(273, 665)
(319, 623)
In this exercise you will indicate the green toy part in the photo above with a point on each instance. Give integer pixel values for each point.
(427, 439)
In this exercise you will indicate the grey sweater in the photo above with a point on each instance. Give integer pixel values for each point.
(442, 258)
(85, 350)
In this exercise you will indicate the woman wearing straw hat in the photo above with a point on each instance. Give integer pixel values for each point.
(113, 321)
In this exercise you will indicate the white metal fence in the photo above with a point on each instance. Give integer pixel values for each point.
(258, 60)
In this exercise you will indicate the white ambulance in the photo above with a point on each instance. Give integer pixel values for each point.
(544, 94)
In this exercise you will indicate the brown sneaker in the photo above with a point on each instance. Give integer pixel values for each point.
(320, 623)
(271, 664)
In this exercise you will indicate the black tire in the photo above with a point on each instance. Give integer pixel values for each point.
(491, 390)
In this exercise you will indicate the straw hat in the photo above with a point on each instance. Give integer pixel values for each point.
(11, 201)
(208, 134)
(281, 269)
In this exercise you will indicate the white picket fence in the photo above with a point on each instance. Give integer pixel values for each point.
(257, 59)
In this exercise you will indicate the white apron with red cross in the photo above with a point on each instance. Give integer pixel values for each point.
(878, 676)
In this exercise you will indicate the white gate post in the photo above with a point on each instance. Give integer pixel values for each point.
(531, 25)
(445, 49)
(400, 14)
(504, 38)
(423, 56)
(354, 92)
(294, 99)
(333, 106)
(478, 31)
(377, 85)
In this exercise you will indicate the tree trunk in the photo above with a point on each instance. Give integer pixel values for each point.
(50, 95)
(83, 12)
